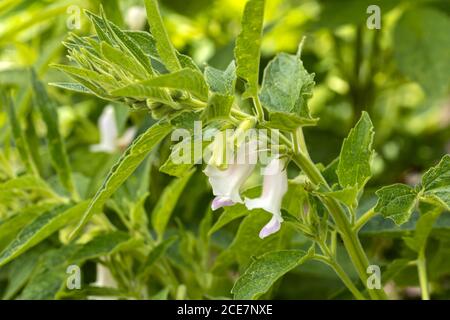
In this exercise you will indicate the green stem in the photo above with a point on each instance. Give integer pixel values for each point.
(259, 109)
(423, 278)
(349, 237)
(343, 276)
(364, 219)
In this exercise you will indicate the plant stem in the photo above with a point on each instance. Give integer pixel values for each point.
(259, 109)
(364, 219)
(349, 237)
(423, 278)
(343, 276)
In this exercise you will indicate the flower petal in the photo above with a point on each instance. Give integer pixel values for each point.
(220, 202)
(108, 131)
(270, 228)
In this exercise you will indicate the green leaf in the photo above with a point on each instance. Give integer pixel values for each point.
(156, 253)
(436, 182)
(125, 166)
(185, 79)
(41, 228)
(56, 144)
(424, 227)
(50, 275)
(88, 75)
(129, 46)
(219, 107)
(288, 121)
(122, 60)
(12, 225)
(264, 271)
(356, 155)
(101, 245)
(19, 138)
(222, 82)
(396, 202)
(76, 87)
(164, 46)
(421, 48)
(21, 270)
(248, 46)
(287, 86)
(229, 214)
(247, 242)
(167, 202)
(347, 196)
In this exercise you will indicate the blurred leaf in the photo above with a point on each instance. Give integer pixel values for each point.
(229, 214)
(166, 203)
(125, 166)
(156, 253)
(424, 227)
(41, 228)
(19, 138)
(421, 49)
(101, 245)
(11, 226)
(56, 144)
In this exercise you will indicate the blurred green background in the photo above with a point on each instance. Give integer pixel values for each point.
(399, 73)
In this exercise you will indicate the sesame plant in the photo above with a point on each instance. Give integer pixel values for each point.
(289, 211)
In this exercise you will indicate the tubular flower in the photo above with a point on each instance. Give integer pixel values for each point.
(275, 185)
(226, 183)
(109, 136)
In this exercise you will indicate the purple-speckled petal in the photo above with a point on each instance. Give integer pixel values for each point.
(270, 228)
(220, 202)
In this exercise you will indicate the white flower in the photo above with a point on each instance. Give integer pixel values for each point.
(275, 186)
(104, 277)
(226, 183)
(136, 17)
(109, 140)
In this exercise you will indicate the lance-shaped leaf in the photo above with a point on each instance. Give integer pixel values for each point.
(248, 46)
(164, 46)
(436, 182)
(166, 203)
(356, 155)
(19, 139)
(185, 79)
(41, 228)
(264, 271)
(56, 144)
(11, 226)
(125, 166)
(50, 276)
(396, 202)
